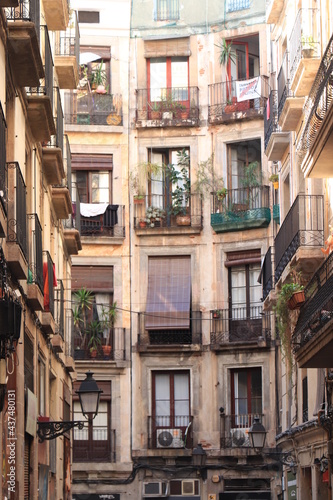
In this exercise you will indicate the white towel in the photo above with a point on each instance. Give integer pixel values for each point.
(92, 209)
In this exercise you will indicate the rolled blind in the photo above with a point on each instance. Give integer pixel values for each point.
(241, 258)
(94, 278)
(169, 293)
(167, 47)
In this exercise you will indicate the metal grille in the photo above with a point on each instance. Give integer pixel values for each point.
(17, 221)
(283, 83)
(166, 10)
(270, 116)
(234, 5)
(36, 251)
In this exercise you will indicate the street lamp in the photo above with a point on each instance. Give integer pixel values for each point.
(199, 460)
(89, 395)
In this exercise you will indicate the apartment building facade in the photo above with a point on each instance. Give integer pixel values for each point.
(38, 59)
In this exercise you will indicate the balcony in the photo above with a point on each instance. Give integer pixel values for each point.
(40, 97)
(100, 449)
(167, 107)
(47, 317)
(234, 430)
(57, 340)
(305, 51)
(3, 175)
(240, 327)
(241, 209)
(170, 432)
(112, 345)
(72, 226)
(276, 142)
(300, 238)
(227, 100)
(61, 193)
(83, 107)
(171, 340)
(274, 9)
(312, 338)
(17, 238)
(315, 148)
(56, 14)
(52, 159)
(23, 42)
(67, 56)
(267, 273)
(290, 108)
(111, 223)
(35, 295)
(168, 219)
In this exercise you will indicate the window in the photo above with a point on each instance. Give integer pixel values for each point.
(234, 5)
(246, 395)
(245, 63)
(92, 174)
(93, 442)
(166, 10)
(171, 403)
(88, 16)
(41, 387)
(168, 73)
(244, 164)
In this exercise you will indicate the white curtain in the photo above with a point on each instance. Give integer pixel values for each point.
(103, 304)
(162, 400)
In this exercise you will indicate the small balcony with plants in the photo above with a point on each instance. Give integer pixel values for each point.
(23, 24)
(53, 150)
(167, 107)
(40, 97)
(67, 55)
(72, 224)
(240, 327)
(95, 338)
(305, 51)
(290, 107)
(276, 141)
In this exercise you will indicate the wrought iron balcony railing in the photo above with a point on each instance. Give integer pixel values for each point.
(239, 209)
(270, 116)
(171, 337)
(90, 108)
(3, 171)
(234, 429)
(68, 42)
(35, 272)
(170, 431)
(283, 83)
(225, 103)
(239, 325)
(46, 84)
(317, 311)
(303, 226)
(17, 211)
(305, 38)
(27, 10)
(49, 283)
(153, 212)
(318, 103)
(267, 277)
(111, 345)
(59, 309)
(111, 223)
(172, 106)
(100, 448)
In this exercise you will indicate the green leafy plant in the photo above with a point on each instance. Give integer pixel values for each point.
(153, 215)
(207, 180)
(251, 176)
(179, 177)
(221, 194)
(274, 178)
(94, 334)
(309, 43)
(142, 172)
(83, 300)
(227, 55)
(98, 75)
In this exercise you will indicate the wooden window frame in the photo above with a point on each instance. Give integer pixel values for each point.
(249, 371)
(172, 415)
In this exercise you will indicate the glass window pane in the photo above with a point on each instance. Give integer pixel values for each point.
(79, 434)
(100, 187)
(100, 423)
(179, 78)
(162, 400)
(158, 78)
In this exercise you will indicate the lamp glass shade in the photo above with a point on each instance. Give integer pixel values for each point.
(89, 394)
(199, 456)
(257, 434)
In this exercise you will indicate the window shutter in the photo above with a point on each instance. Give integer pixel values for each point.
(94, 278)
(242, 258)
(91, 162)
(169, 293)
(167, 47)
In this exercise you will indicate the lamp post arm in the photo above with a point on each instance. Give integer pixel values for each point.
(52, 430)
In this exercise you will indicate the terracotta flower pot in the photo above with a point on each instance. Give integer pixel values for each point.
(296, 300)
(183, 220)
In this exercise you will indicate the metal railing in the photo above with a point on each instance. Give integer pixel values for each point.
(68, 42)
(74, 220)
(35, 272)
(267, 278)
(174, 105)
(283, 83)
(166, 10)
(239, 324)
(112, 344)
(302, 226)
(223, 103)
(317, 311)
(270, 116)
(167, 214)
(90, 108)
(3, 157)
(238, 201)
(318, 102)
(111, 223)
(27, 10)
(69, 340)
(59, 309)
(102, 448)
(46, 84)
(305, 36)
(234, 429)
(171, 337)
(48, 273)
(17, 210)
(170, 431)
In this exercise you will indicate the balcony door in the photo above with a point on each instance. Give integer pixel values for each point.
(168, 79)
(246, 396)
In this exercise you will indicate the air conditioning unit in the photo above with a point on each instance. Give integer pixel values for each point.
(188, 487)
(169, 438)
(240, 437)
(155, 489)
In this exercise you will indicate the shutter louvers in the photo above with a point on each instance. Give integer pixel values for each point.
(167, 47)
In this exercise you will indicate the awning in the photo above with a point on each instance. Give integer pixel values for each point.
(169, 293)
(87, 57)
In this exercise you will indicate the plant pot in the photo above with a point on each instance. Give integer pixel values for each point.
(93, 353)
(296, 300)
(142, 224)
(184, 115)
(216, 314)
(242, 106)
(276, 185)
(155, 115)
(230, 108)
(183, 220)
(106, 350)
(138, 200)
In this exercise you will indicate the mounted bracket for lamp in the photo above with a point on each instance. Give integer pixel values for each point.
(89, 395)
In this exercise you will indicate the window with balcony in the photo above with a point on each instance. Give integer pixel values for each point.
(170, 408)
(95, 442)
(165, 10)
(244, 164)
(168, 82)
(246, 395)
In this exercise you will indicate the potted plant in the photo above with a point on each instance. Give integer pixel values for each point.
(98, 78)
(155, 110)
(249, 181)
(83, 299)
(109, 317)
(142, 223)
(274, 178)
(216, 313)
(227, 56)
(154, 216)
(209, 182)
(181, 186)
(221, 193)
(94, 333)
(309, 46)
